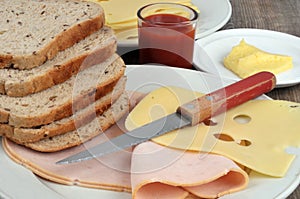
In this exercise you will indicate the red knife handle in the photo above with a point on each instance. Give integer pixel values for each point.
(219, 101)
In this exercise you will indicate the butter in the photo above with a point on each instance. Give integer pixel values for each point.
(245, 60)
(255, 134)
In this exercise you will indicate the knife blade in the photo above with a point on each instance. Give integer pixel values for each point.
(191, 113)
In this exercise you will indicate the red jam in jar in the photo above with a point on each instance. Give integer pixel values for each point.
(167, 39)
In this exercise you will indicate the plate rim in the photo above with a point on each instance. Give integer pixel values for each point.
(220, 25)
(287, 192)
(245, 31)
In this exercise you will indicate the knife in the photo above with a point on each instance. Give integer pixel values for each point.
(191, 113)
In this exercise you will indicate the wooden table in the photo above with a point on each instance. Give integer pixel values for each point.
(278, 15)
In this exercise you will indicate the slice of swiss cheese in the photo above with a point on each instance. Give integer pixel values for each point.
(259, 144)
(118, 11)
(121, 15)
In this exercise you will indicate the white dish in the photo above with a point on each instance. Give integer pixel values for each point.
(18, 182)
(214, 14)
(210, 51)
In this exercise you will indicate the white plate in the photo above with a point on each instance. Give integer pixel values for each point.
(214, 14)
(18, 182)
(210, 51)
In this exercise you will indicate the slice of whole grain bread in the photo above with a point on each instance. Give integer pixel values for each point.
(80, 118)
(92, 50)
(86, 132)
(34, 31)
(62, 100)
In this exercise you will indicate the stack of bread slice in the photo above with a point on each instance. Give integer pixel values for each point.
(61, 81)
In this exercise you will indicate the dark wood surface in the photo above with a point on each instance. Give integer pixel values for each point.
(278, 15)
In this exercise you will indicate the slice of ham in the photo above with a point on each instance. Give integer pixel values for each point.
(150, 171)
(108, 172)
(167, 172)
(156, 171)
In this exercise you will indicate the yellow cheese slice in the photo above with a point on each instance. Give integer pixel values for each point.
(255, 134)
(120, 10)
(245, 60)
(121, 14)
(127, 33)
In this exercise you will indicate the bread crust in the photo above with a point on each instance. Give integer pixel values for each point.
(58, 73)
(83, 134)
(82, 117)
(74, 102)
(66, 38)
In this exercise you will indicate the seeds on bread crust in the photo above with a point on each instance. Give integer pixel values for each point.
(18, 83)
(39, 109)
(86, 132)
(78, 119)
(36, 31)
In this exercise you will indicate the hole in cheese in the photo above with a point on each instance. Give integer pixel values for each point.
(293, 150)
(244, 142)
(210, 122)
(224, 137)
(242, 119)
